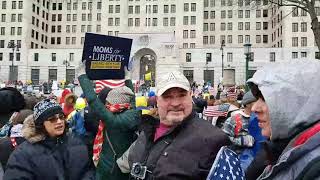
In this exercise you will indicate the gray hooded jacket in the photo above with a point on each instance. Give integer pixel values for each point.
(292, 93)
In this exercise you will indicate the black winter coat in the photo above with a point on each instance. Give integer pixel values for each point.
(184, 152)
(44, 158)
(6, 148)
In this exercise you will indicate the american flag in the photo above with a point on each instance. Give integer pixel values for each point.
(226, 166)
(232, 93)
(216, 111)
(100, 84)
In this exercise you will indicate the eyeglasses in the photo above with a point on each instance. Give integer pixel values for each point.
(55, 118)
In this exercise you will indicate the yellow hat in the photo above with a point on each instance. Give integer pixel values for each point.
(80, 104)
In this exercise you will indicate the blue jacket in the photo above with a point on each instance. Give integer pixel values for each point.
(77, 123)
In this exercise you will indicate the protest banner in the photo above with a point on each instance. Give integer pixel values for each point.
(106, 56)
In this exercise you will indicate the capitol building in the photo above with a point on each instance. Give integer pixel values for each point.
(42, 40)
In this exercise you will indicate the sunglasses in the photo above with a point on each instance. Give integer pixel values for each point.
(55, 118)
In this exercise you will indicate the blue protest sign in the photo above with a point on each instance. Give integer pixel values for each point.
(106, 56)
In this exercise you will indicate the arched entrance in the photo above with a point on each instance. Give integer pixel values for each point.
(148, 69)
(145, 66)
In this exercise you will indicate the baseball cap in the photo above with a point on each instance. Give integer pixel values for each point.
(171, 80)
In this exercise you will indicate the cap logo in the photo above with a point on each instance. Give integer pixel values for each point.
(171, 77)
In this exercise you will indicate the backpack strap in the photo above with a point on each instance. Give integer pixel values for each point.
(238, 124)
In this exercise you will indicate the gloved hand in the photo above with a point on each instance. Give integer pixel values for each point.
(247, 140)
(81, 69)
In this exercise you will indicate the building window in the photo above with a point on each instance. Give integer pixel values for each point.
(205, 26)
(258, 13)
(295, 12)
(137, 10)
(247, 14)
(205, 39)
(53, 57)
(1, 56)
(208, 57)
(193, 20)
(265, 38)
(99, 5)
(240, 13)
(110, 9)
(98, 16)
(223, 14)
(258, 25)
(223, 26)
(295, 27)
(294, 41)
(188, 57)
(265, 13)
(247, 39)
(265, 25)
(212, 40)
(173, 8)
(117, 8)
(130, 22)
(192, 45)
(229, 39)
(193, 7)
(303, 27)
(154, 21)
(229, 26)
(212, 26)
(117, 21)
(185, 45)
(185, 34)
(166, 9)
(155, 9)
(185, 20)
(272, 56)
(317, 55)
(130, 10)
(212, 14)
(304, 41)
(258, 38)
(205, 15)
(240, 39)
(294, 55)
(186, 7)
(189, 75)
(137, 22)
(240, 25)
(303, 54)
(36, 57)
(192, 33)
(229, 57)
(247, 26)
(172, 21)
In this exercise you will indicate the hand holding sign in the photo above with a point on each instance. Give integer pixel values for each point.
(106, 56)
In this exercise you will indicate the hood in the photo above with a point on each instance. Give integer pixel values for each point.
(29, 131)
(291, 91)
(63, 95)
(70, 96)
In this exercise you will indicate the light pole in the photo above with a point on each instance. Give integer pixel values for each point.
(221, 48)
(14, 47)
(67, 64)
(247, 53)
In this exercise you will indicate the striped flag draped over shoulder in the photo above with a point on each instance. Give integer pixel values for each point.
(100, 84)
(226, 166)
(216, 111)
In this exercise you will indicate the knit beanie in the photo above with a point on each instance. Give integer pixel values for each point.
(45, 109)
(120, 95)
(248, 98)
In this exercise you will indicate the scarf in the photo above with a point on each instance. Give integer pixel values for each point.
(98, 140)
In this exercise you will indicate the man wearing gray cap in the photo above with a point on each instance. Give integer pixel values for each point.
(178, 145)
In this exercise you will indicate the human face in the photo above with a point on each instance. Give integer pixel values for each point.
(55, 125)
(261, 109)
(174, 105)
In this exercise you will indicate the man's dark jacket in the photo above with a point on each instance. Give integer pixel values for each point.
(184, 152)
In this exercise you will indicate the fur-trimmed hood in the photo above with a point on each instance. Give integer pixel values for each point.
(29, 131)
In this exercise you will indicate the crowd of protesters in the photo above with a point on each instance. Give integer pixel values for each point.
(174, 132)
